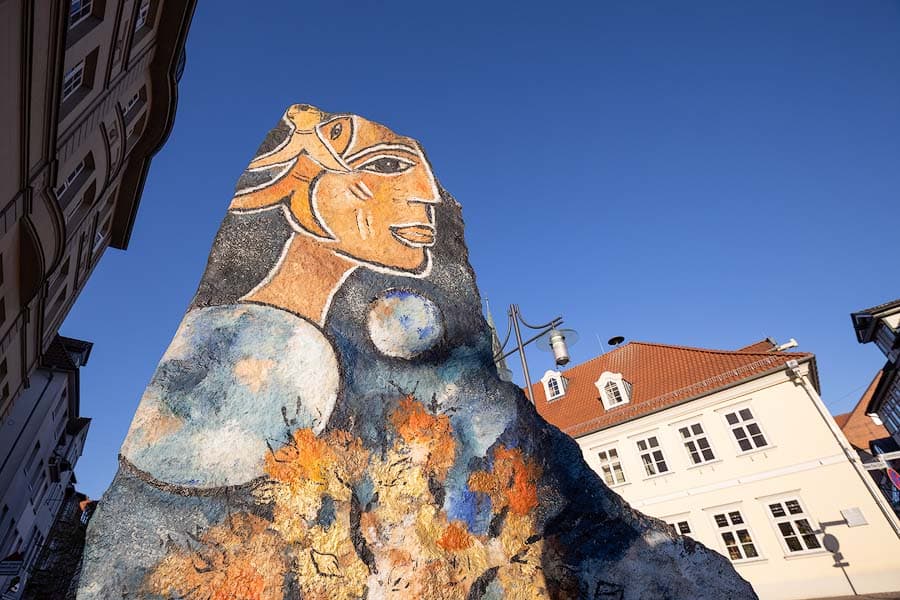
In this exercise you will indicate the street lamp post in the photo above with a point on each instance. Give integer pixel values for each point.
(556, 342)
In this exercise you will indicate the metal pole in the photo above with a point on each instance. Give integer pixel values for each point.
(514, 315)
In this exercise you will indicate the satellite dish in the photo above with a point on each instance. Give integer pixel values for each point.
(615, 340)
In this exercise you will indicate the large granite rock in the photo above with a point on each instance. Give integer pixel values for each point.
(328, 422)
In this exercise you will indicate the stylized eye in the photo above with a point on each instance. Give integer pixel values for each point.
(387, 164)
(336, 131)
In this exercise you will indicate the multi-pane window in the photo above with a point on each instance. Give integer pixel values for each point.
(143, 14)
(611, 467)
(696, 443)
(613, 396)
(735, 535)
(746, 430)
(70, 179)
(682, 527)
(554, 386)
(793, 524)
(652, 456)
(79, 10)
(132, 102)
(72, 80)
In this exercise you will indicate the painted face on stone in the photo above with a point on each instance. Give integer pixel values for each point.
(379, 210)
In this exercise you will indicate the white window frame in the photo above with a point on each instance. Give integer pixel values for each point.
(743, 424)
(83, 11)
(734, 529)
(676, 521)
(143, 13)
(70, 178)
(621, 386)
(132, 102)
(695, 440)
(608, 466)
(68, 86)
(648, 455)
(559, 382)
(791, 519)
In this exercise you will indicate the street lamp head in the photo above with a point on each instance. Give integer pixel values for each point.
(558, 345)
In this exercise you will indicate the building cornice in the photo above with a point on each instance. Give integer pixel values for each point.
(171, 36)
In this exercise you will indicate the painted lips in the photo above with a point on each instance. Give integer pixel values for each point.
(416, 235)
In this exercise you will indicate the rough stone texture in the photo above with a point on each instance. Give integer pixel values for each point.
(328, 422)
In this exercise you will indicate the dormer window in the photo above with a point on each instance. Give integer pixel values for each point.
(554, 385)
(614, 390)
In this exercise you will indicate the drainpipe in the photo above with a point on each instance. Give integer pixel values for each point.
(794, 370)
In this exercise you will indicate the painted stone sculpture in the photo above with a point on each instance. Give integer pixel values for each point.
(328, 423)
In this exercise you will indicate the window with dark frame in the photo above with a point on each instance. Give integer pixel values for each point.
(735, 535)
(794, 526)
(652, 456)
(611, 467)
(696, 443)
(142, 15)
(79, 10)
(72, 80)
(746, 430)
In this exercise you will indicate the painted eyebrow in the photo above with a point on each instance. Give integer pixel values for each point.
(379, 148)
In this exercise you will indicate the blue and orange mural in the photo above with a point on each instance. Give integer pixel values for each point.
(327, 422)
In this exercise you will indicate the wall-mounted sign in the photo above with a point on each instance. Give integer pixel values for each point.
(895, 477)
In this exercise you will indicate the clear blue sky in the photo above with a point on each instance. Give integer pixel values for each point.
(698, 173)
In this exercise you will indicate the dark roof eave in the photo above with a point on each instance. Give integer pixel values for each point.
(814, 378)
(891, 372)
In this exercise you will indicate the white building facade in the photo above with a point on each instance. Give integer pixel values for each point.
(747, 462)
(40, 442)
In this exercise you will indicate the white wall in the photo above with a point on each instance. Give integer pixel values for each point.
(803, 460)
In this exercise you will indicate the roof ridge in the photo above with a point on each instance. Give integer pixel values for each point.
(716, 350)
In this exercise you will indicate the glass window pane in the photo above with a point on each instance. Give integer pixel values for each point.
(729, 538)
(812, 542)
(793, 544)
(721, 521)
(745, 445)
(613, 453)
(619, 474)
(777, 510)
(662, 466)
(734, 553)
(642, 445)
(744, 536)
(735, 517)
(696, 428)
(684, 528)
(793, 507)
(708, 454)
(731, 418)
(786, 528)
(684, 432)
(652, 441)
(750, 551)
(746, 414)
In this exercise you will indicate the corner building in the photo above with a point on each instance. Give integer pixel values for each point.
(41, 442)
(89, 96)
(736, 450)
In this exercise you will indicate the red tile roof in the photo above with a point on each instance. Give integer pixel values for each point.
(857, 426)
(761, 346)
(660, 375)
